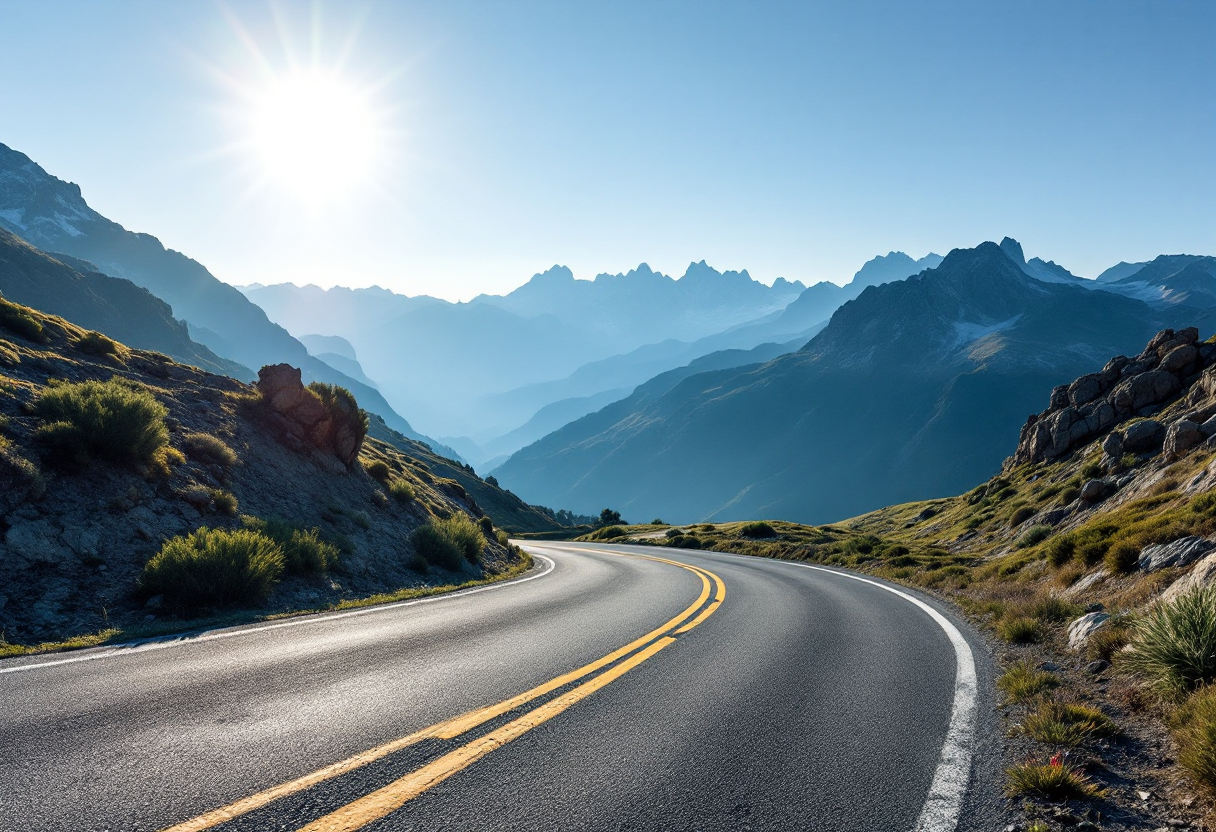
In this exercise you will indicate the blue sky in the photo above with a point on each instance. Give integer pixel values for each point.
(793, 140)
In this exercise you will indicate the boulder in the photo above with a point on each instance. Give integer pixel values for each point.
(1112, 445)
(1059, 397)
(1181, 436)
(1181, 552)
(1082, 628)
(1087, 582)
(1094, 491)
(1085, 389)
(1204, 574)
(280, 385)
(1208, 428)
(1179, 359)
(1150, 388)
(1145, 435)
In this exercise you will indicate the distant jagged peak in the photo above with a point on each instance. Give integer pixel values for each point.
(894, 265)
(553, 275)
(1013, 249)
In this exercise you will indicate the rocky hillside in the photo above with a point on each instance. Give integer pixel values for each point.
(75, 290)
(914, 389)
(109, 454)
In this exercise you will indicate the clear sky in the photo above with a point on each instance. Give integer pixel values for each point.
(465, 146)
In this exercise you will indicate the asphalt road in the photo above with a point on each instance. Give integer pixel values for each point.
(750, 695)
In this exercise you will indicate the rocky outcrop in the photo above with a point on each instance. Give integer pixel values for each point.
(1203, 575)
(1182, 552)
(1082, 628)
(1126, 388)
(323, 418)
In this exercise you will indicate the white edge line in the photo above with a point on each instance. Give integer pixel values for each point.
(308, 619)
(944, 804)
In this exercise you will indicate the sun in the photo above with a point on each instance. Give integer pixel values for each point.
(314, 134)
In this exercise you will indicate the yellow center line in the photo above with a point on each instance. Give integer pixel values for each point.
(451, 728)
(388, 799)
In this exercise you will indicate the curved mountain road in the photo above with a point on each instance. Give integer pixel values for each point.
(613, 688)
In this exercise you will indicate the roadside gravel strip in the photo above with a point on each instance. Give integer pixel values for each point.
(633, 688)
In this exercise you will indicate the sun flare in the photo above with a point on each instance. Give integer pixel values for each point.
(314, 134)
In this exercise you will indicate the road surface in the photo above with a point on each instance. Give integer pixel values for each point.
(613, 688)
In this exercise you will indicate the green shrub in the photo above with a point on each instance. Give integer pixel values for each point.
(1122, 557)
(609, 533)
(1019, 630)
(339, 403)
(609, 517)
(1195, 733)
(378, 470)
(224, 501)
(360, 519)
(1067, 723)
(670, 533)
(487, 527)
(1052, 780)
(1129, 460)
(1174, 645)
(1052, 609)
(113, 420)
(449, 542)
(203, 447)
(687, 542)
(1092, 470)
(304, 551)
(1108, 640)
(1021, 516)
(503, 538)
(214, 568)
(658, 521)
(757, 530)
(1024, 681)
(1034, 536)
(94, 343)
(1069, 495)
(1060, 550)
(18, 320)
(402, 491)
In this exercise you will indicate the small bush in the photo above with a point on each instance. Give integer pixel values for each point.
(1052, 609)
(94, 343)
(757, 530)
(112, 420)
(18, 320)
(1021, 516)
(203, 447)
(1195, 733)
(492, 480)
(609, 533)
(360, 519)
(1174, 645)
(340, 403)
(1129, 460)
(1108, 640)
(1024, 681)
(670, 533)
(658, 521)
(214, 568)
(1034, 536)
(1122, 557)
(402, 491)
(1052, 780)
(224, 501)
(1067, 723)
(503, 538)
(688, 542)
(304, 552)
(378, 470)
(1061, 550)
(1019, 630)
(1092, 470)
(487, 527)
(1069, 495)
(449, 542)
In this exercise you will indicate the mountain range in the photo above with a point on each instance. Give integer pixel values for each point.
(912, 390)
(509, 368)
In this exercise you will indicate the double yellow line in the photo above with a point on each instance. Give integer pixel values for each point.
(388, 799)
